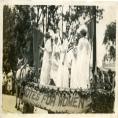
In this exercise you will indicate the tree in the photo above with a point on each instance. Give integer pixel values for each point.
(19, 21)
(23, 32)
(110, 41)
(9, 52)
(17, 32)
(110, 33)
(76, 12)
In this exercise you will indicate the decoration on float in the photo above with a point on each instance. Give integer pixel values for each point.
(60, 100)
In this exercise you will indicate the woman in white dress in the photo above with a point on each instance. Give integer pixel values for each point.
(63, 73)
(55, 59)
(73, 79)
(80, 68)
(46, 64)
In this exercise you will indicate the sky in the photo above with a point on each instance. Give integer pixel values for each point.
(109, 15)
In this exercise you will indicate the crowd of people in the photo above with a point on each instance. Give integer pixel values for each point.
(66, 61)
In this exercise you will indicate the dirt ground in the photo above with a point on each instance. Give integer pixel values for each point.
(8, 105)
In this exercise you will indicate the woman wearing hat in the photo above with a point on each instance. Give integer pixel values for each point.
(46, 64)
(80, 72)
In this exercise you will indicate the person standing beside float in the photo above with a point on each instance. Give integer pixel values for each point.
(81, 61)
(46, 64)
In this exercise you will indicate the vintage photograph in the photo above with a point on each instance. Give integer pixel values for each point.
(59, 59)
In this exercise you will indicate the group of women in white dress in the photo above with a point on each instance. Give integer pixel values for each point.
(66, 67)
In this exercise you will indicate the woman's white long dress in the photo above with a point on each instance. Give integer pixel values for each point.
(63, 73)
(46, 65)
(73, 79)
(55, 62)
(80, 65)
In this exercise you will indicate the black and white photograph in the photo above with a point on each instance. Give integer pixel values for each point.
(59, 59)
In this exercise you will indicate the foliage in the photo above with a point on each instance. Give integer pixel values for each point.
(9, 54)
(103, 102)
(110, 33)
(53, 18)
(19, 21)
(110, 36)
(76, 12)
(22, 28)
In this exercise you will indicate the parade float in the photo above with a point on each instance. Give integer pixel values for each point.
(68, 100)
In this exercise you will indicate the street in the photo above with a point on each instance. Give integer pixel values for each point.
(8, 105)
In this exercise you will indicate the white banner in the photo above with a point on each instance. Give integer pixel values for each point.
(58, 100)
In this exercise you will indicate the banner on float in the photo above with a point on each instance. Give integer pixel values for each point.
(57, 99)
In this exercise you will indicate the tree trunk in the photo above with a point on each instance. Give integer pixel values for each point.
(62, 22)
(94, 40)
